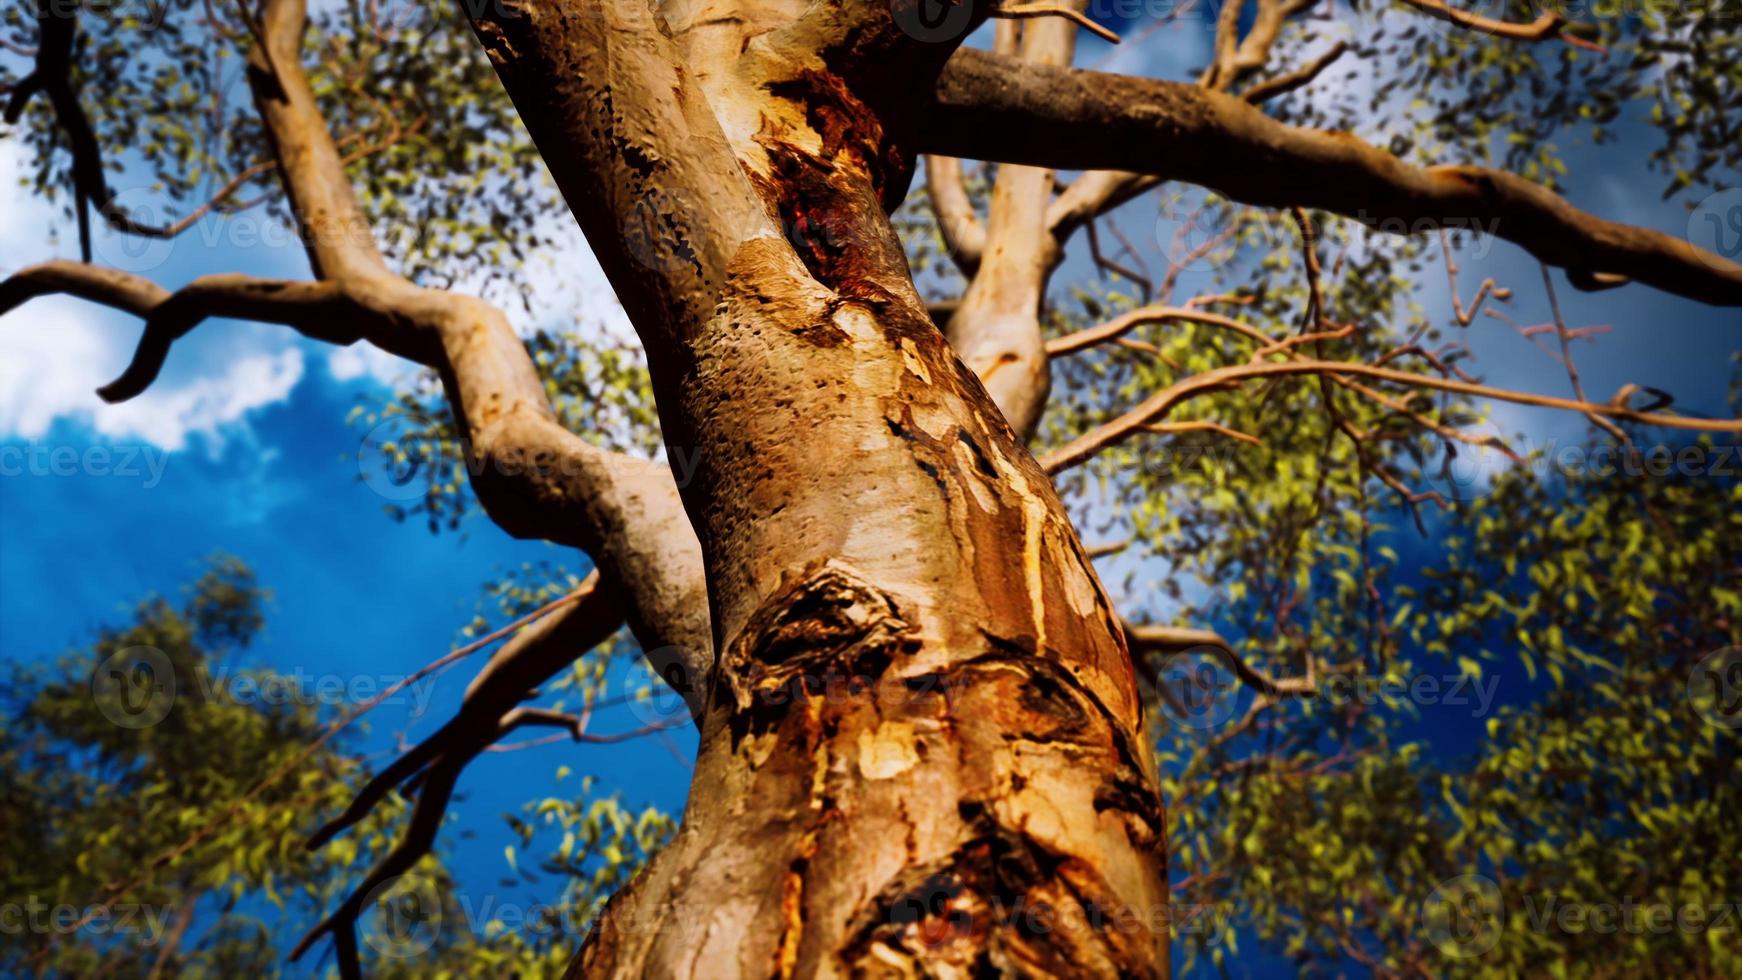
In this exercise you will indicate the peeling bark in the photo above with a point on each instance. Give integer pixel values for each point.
(922, 735)
(990, 107)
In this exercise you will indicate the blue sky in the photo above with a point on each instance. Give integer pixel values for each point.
(248, 423)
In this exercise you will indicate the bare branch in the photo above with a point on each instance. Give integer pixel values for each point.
(1547, 25)
(963, 233)
(110, 287)
(1071, 14)
(1092, 195)
(1106, 550)
(537, 652)
(1159, 404)
(1126, 322)
(489, 712)
(1237, 58)
(1565, 337)
(1109, 266)
(993, 108)
(1172, 641)
(1486, 289)
(1175, 428)
(1270, 88)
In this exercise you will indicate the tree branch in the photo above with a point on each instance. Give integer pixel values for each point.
(1172, 641)
(1547, 25)
(992, 108)
(1092, 195)
(1075, 16)
(53, 77)
(1270, 88)
(488, 713)
(1123, 324)
(1159, 404)
(963, 232)
(1237, 58)
(532, 476)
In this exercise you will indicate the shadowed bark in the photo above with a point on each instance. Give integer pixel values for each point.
(922, 727)
(993, 108)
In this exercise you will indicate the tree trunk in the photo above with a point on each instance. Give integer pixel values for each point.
(922, 744)
(922, 747)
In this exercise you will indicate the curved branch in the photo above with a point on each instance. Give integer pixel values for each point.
(420, 834)
(1075, 16)
(1159, 404)
(1092, 195)
(991, 108)
(534, 655)
(1123, 324)
(963, 232)
(1270, 88)
(1547, 25)
(1172, 641)
(1236, 58)
(488, 713)
(110, 287)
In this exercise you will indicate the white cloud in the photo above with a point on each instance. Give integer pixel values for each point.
(53, 354)
(206, 406)
(55, 351)
(367, 360)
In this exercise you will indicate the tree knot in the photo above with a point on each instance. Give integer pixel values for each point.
(828, 633)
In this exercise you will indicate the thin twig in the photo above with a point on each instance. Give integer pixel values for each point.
(1022, 10)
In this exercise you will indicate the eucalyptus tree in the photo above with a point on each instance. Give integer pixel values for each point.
(924, 744)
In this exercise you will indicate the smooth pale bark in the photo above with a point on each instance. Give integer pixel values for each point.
(990, 107)
(922, 743)
(996, 330)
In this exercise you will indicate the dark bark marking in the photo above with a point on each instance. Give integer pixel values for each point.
(993, 907)
(828, 630)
